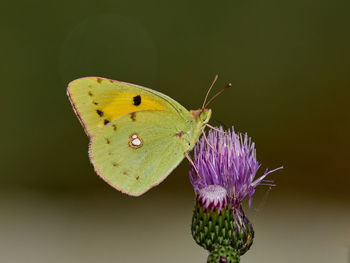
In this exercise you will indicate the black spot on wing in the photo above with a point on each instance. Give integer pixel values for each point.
(99, 112)
(105, 122)
(137, 100)
(133, 116)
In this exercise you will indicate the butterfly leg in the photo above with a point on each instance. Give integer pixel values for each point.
(192, 163)
(205, 138)
(213, 128)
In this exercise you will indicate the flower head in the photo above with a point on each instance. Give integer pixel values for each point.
(227, 159)
(223, 175)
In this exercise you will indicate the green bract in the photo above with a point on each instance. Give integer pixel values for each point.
(230, 227)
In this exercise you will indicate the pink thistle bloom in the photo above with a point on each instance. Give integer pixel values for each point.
(228, 159)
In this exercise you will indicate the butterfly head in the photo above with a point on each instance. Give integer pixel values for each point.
(201, 115)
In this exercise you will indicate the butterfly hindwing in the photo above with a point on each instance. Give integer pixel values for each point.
(99, 101)
(137, 151)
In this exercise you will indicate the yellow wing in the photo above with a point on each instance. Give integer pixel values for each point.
(98, 101)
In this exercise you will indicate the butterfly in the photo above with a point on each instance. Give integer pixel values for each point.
(138, 136)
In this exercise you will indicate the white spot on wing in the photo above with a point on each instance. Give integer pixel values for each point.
(135, 141)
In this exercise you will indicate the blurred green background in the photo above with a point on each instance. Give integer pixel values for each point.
(289, 63)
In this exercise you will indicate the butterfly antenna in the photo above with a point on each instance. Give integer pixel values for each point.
(217, 94)
(211, 86)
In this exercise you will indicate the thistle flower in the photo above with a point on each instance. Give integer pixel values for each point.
(227, 166)
(229, 160)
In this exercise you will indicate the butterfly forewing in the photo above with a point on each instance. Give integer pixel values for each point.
(99, 101)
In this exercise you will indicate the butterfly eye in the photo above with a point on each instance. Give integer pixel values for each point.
(203, 116)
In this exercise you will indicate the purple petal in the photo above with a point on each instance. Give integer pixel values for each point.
(229, 161)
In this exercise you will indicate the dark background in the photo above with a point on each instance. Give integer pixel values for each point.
(289, 64)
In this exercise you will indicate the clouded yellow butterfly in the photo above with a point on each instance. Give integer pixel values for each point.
(137, 135)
